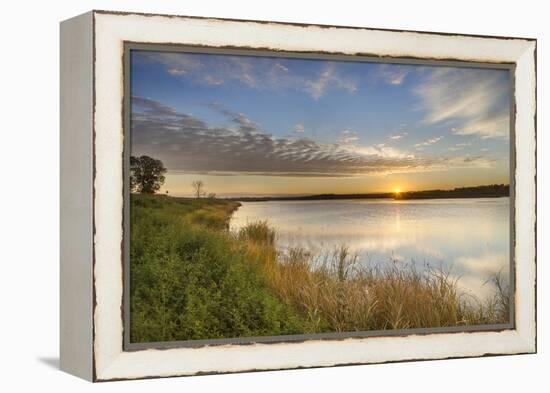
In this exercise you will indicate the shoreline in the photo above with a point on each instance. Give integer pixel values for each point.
(344, 198)
(193, 280)
(230, 212)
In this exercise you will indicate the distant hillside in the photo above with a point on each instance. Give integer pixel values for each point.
(489, 191)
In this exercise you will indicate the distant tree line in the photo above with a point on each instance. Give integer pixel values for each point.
(489, 191)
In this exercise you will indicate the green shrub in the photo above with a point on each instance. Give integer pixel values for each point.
(189, 281)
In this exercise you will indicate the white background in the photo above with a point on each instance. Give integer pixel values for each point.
(29, 197)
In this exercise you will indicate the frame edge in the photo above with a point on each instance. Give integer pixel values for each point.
(526, 342)
(76, 196)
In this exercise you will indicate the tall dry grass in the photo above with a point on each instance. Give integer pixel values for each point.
(193, 279)
(334, 293)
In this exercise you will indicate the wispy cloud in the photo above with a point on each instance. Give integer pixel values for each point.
(329, 77)
(459, 146)
(176, 71)
(281, 67)
(492, 125)
(475, 101)
(393, 74)
(188, 144)
(396, 137)
(299, 128)
(347, 137)
(175, 63)
(262, 73)
(213, 80)
(428, 142)
(383, 150)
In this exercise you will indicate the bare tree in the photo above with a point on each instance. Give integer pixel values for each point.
(198, 188)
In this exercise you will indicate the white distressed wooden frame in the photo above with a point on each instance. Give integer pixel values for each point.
(92, 143)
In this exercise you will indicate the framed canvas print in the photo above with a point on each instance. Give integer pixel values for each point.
(246, 195)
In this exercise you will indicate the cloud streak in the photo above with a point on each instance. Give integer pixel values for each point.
(428, 142)
(329, 77)
(393, 74)
(475, 101)
(261, 73)
(396, 137)
(188, 144)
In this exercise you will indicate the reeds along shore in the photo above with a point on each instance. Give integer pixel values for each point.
(193, 279)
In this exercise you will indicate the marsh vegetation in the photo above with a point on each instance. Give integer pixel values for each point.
(192, 278)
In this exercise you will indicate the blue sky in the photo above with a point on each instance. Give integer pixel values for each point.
(267, 125)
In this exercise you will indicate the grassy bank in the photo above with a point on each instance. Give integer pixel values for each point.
(339, 294)
(192, 279)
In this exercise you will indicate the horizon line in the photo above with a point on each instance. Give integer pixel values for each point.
(371, 193)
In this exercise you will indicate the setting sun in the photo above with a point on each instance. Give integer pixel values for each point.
(325, 180)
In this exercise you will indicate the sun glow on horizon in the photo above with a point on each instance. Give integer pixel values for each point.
(396, 190)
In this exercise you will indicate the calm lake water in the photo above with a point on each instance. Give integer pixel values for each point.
(469, 237)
